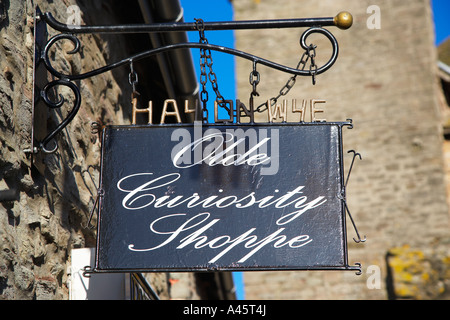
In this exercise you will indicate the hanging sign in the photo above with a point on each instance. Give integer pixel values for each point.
(222, 197)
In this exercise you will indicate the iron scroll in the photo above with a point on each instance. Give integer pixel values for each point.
(68, 32)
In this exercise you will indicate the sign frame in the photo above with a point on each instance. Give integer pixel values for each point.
(101, 266)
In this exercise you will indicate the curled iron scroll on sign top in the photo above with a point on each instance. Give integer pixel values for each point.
(194, 45)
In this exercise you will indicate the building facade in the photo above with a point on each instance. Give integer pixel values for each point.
(386, 81)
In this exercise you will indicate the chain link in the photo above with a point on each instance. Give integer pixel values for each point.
(206, 60)
(133, 78)
(309, 54)
(254, 80)
(312, 67)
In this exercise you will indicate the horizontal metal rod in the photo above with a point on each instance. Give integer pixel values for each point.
(340, 21)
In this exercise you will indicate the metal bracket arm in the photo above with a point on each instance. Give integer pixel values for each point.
(343, 20)
(155, 51)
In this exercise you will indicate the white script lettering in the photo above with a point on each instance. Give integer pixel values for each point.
(199, 240)
(141, 195)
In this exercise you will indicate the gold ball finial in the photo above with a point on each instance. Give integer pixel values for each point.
(343, 20)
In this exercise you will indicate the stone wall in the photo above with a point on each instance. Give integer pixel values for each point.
(419, 273)
(385, 80)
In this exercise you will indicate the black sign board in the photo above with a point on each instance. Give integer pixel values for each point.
(222, 197)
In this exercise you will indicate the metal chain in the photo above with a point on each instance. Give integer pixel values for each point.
(254, 80)
(133, 78)
(309, 54)
(312, 67)
(203, 76)
(206, 59)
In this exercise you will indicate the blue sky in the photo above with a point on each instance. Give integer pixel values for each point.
(224, 65)
(441, 13)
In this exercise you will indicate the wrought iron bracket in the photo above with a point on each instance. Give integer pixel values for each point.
(357, 267)
(344, 200)
(43, 142)
(88, 271)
